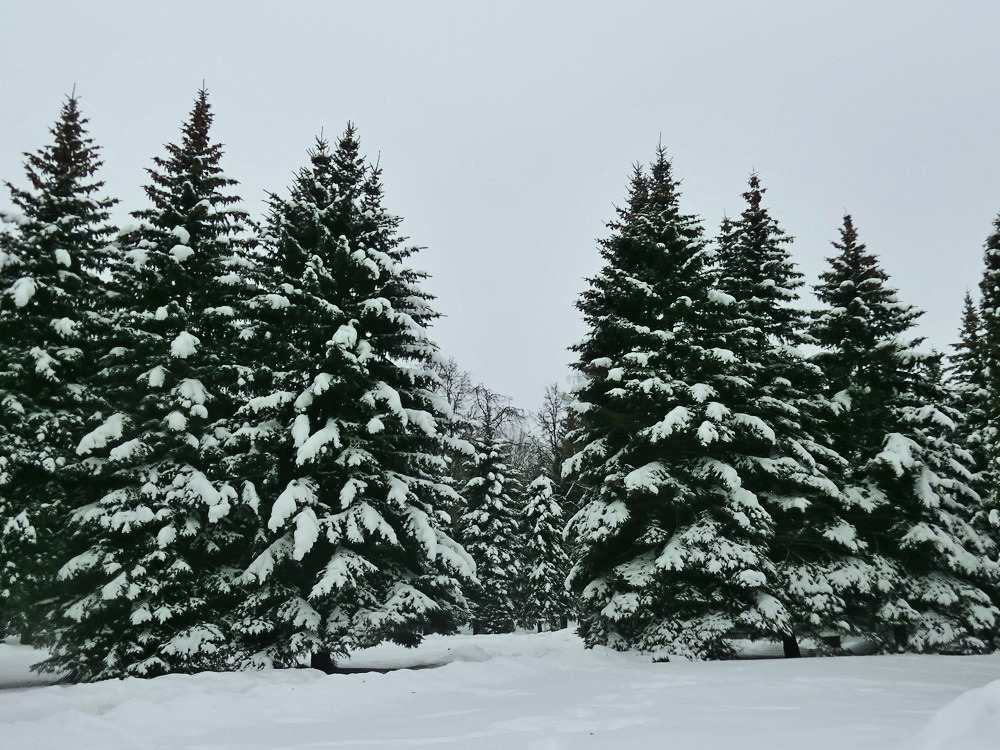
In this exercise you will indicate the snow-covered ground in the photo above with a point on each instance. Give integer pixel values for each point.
(531, 691)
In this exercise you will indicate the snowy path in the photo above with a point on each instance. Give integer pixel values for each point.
(521, 691)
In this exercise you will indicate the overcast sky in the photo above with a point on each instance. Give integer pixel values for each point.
(507, 132)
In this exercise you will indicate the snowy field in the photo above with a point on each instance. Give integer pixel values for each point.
(531, 691)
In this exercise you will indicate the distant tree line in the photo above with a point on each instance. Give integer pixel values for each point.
(229, 442)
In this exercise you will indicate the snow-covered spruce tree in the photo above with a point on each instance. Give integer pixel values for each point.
(989, 351)
(545, 562)
(347, 437)
(672, 548)
(488, 527)
(151, 585)
(860, 330)
(824, 576)
(908, 477)
(969, 395)
(51, 316)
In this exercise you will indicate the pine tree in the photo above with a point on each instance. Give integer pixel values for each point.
(908, 478)
(151, 583)
(51, 313)
(815, 547)
(672, 548)
(488, 527)
(546, 563)
(347, 447)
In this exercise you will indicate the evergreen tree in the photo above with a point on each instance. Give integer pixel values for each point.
(151, 583)
(989, 352)
(488, 527)
(909, 479)
(51, 314)
(815, 547)
(757, 269)
(346, 438)
(970, 397)
(860, 330)
(672, 547)
(546, 564)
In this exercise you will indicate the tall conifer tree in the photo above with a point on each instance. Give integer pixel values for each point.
(346, 435)
(150, 587)
(970, 397)
(797, 478)
(51, 315)
(989, 352)
(672, 547)
(909, 479)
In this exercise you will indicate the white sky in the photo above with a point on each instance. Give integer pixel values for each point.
(507, 132)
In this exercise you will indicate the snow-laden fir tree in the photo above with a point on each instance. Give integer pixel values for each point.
(989, 352)
(545, 562)
(909, 478)
(150, 587)
(823, 573)
(969, 395)
(345, 436)
(51, 315)
(672, 548)
(489, 527)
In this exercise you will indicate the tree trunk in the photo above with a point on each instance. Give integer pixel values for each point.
(322, 661)
(539, 626)
(791, 647)
(832, 640)
(901, 636)
(27, 636)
